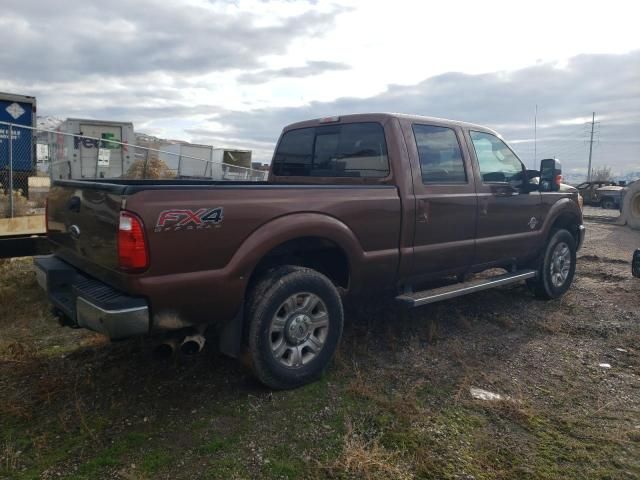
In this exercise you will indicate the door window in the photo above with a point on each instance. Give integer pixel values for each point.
(440, 155)
(496, 160)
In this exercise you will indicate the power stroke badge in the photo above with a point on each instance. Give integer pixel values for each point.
(178, 219)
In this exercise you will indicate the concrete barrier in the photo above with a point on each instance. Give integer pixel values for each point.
(631, 207)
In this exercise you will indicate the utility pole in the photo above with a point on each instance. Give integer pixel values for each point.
(593, 122)
(535, 138)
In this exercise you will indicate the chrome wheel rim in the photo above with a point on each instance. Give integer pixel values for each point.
(299, 330)
(560, 264)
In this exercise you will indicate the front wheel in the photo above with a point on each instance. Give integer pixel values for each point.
(557, 267)
(608, 203)
(295, 323)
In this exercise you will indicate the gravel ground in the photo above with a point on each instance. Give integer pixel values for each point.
(600, 214)
(395, 404)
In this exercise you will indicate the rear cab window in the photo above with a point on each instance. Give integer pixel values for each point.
(343, 150)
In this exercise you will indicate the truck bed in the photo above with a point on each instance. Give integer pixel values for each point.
(188, 258)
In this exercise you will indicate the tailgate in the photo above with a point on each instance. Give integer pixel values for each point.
(83, 222)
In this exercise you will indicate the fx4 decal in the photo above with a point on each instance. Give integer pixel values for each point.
(181, 219)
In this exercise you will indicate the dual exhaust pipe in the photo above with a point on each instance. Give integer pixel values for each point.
(188, 345)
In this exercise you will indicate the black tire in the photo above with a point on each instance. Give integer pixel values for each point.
(608, 203)
(267, 301)
(545, 285)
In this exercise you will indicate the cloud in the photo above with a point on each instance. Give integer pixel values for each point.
(91, 39)
(311, 69)
(228, 72)
(606, 84)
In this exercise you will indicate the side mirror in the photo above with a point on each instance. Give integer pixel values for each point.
(532, 181)
(550, 175)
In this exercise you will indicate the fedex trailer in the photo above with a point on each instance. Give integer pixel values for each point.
(83, 148)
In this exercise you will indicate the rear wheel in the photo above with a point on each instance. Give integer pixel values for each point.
(556, 268)
(295, 321)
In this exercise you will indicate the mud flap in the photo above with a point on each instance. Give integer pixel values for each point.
(230, 339)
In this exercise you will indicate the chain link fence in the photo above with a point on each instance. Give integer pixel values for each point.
(17, 166)
(30, 159)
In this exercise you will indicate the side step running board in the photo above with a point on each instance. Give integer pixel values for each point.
(458, 289)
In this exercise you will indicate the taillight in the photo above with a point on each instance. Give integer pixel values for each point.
(329, 120)
(132, 246)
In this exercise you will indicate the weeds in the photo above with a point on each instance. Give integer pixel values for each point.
(396, 403)
(367, 459)
(20, 204)
(10, 456)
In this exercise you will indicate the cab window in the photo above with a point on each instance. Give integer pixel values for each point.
(496, 160)
(440, 155)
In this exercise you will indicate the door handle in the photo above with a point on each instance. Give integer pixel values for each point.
(423, 211)
(484, 209)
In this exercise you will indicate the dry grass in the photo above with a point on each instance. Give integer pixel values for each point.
(17, 352)
(367, 459)
(20, 204)
(9, 456)
(395, 404)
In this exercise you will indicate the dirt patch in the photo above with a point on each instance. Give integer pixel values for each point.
(396, 403)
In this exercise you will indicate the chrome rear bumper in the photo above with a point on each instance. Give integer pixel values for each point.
(89, 303)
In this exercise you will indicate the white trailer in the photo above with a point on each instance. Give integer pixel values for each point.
(187, 159)
(96, 149)
(190, 160)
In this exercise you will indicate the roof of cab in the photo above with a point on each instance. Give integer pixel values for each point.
(384, 116)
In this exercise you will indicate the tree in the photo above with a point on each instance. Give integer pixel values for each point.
(150, 169)
(601, 174)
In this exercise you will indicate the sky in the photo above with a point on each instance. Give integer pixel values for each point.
(233, 73)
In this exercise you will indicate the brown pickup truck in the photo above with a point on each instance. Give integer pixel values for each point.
(354, 205)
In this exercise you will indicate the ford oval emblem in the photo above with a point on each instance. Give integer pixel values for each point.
(74, 231)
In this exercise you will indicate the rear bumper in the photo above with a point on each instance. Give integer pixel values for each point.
(581, 234)
(89, 303)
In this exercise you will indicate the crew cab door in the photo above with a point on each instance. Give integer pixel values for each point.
(445, 196)
(509, 215)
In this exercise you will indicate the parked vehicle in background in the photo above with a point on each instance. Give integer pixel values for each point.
(19, 110)
(354, 205)
(610, 196)
(589, 191)
(91, 154)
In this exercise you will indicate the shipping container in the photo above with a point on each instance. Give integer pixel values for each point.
(19, 110)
